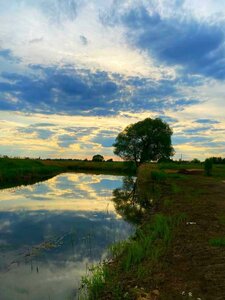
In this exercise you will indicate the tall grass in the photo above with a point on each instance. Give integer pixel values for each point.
(15, 171)
(149, 242)
(93, 283)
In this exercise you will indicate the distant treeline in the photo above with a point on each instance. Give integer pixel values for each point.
(218, 160)
(214, 159)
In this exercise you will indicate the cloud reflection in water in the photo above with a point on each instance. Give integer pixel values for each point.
(75, 209)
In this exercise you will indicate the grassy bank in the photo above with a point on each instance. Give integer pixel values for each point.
(178, 237)
(115, 167)
(16, 171)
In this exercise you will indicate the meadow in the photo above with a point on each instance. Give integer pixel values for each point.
(177, 246)
(22, 171)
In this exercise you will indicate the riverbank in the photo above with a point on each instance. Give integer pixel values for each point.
(18, 171)
(177, 251)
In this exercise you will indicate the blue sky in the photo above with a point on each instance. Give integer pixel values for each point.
(74, 73)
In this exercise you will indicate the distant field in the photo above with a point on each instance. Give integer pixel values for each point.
(102, 167)
(16, 171)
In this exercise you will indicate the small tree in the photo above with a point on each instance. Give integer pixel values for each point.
(109, 160)
(98, 158)
(208, 164)
(143, 141)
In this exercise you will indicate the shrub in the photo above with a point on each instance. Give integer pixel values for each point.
(208, 164)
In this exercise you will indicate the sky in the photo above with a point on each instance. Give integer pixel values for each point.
(75, 73)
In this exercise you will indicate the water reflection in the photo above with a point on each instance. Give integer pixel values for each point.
(51, 231)
(133, 199)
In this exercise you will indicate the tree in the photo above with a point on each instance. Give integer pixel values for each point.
(196, 161)
(98, 158)
(143, 141)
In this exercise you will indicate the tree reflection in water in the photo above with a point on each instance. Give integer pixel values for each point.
(133, 199)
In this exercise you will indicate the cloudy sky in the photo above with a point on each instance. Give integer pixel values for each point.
(74, 73)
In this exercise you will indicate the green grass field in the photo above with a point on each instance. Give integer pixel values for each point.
(18, 171)
(15, 171)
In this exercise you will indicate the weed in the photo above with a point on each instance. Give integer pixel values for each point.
(217, 242)
(175, 188)
(221, 219)
(92, 284)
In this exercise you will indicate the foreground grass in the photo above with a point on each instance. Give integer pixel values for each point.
(149, 242)
(156, 262)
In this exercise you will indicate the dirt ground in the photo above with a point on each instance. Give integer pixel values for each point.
(193, 268)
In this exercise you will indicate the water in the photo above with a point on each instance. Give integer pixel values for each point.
(52, 231)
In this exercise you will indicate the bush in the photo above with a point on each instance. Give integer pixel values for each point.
(98, 158)
(208, 164)
(196, 161)
(158, 176)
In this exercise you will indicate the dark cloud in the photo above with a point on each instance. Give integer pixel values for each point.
(43, 125)
(105, 141)
(43, 134)
(7, 55)
(180, 139)
(80, 130)
(83, 40)
(206, 121)
(193, 131)
(66, 140)
(167, 119)
(198, 46)
(57, 11)
(77, 91)
(37, 40)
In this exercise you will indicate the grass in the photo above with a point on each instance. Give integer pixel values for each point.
(93, 282)
(150, 242)
(115, 167)
(158, 175)
(217, 242)
(17, 171)
(142, 259)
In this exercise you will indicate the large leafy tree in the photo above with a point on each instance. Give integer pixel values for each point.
(143, 141)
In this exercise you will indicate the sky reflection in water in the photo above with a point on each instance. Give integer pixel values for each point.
(51, 231)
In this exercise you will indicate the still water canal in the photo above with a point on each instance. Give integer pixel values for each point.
(51, 232)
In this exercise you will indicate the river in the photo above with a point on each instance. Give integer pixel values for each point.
(52, 232)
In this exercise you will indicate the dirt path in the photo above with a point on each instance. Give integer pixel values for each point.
(195, 269)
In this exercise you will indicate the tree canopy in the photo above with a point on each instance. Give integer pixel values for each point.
(98, 157)
(147, 140)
